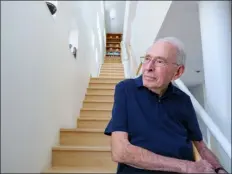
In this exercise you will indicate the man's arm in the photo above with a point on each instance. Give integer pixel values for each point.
(124, 152)
(207, 154)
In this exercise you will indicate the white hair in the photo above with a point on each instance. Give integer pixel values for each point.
(181, 55)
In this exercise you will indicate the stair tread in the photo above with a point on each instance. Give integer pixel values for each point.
(97, 109)
(82, 148)
(105, 82)
(93, 119)
(99, 94)
(98, 101)
(106, 87)
(108, 78)
(79, 170)
(81, 130)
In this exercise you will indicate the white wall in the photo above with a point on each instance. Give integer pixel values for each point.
(198, 92)
(115, 25)
(90, 11)
(146, 24)
(73, 38)
(42, 85)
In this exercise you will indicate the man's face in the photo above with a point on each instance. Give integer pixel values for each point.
(160, 65)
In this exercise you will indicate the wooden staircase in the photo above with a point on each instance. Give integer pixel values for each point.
(86, 149)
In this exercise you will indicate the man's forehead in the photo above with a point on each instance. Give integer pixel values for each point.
(161, 49)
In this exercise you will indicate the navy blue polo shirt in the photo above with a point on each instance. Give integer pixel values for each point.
(164, 125)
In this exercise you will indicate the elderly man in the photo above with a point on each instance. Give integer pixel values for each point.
(153, 122)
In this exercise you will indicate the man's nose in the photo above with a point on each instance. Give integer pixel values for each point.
(150, 65)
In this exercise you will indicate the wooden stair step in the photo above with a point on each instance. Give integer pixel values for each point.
(111, 73)
(112, 66)
(105, 80)
(82, 156)
(97, 104)
(80, 170)
(107, 97)
(100, 91)
(112, 76)
(96, 112)
(92, 122)
(102, 85)
(98, 101)
(113, 61)
(121, 68)
(84, 137)
(113, 70)
(106, 87)
(94, 119)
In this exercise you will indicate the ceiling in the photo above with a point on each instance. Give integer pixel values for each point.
(182, 21)
(114, 25)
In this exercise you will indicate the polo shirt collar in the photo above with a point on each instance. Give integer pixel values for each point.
(171, 87)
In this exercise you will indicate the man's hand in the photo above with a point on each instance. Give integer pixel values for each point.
(201, 166)
(222, 171)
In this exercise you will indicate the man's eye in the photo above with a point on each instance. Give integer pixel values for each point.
(160, 61)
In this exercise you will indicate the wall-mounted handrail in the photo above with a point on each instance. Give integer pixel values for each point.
(211, 126)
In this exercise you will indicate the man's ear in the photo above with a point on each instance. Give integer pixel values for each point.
(179, 72)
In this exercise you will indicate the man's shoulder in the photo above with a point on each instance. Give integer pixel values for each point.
(126, 83)
(180, 93)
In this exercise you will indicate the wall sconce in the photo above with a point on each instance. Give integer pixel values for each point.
(112, 14)
(51, 7)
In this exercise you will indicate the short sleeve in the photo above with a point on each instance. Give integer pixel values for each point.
(191, 122)
(118, 121)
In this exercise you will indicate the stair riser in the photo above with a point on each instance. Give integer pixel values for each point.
(102, 85)
(112, 65)
(112, 61)
(98, 105)
(84, 139)
(105, 80)
(110, 73)
(116, 68)
(112, 76)
(115, 65)
(112, 69)
(95, 113)
(100, 124)
(118, 60)
(82, 159)
(100, 91)
(100, 97)
(121, 69)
